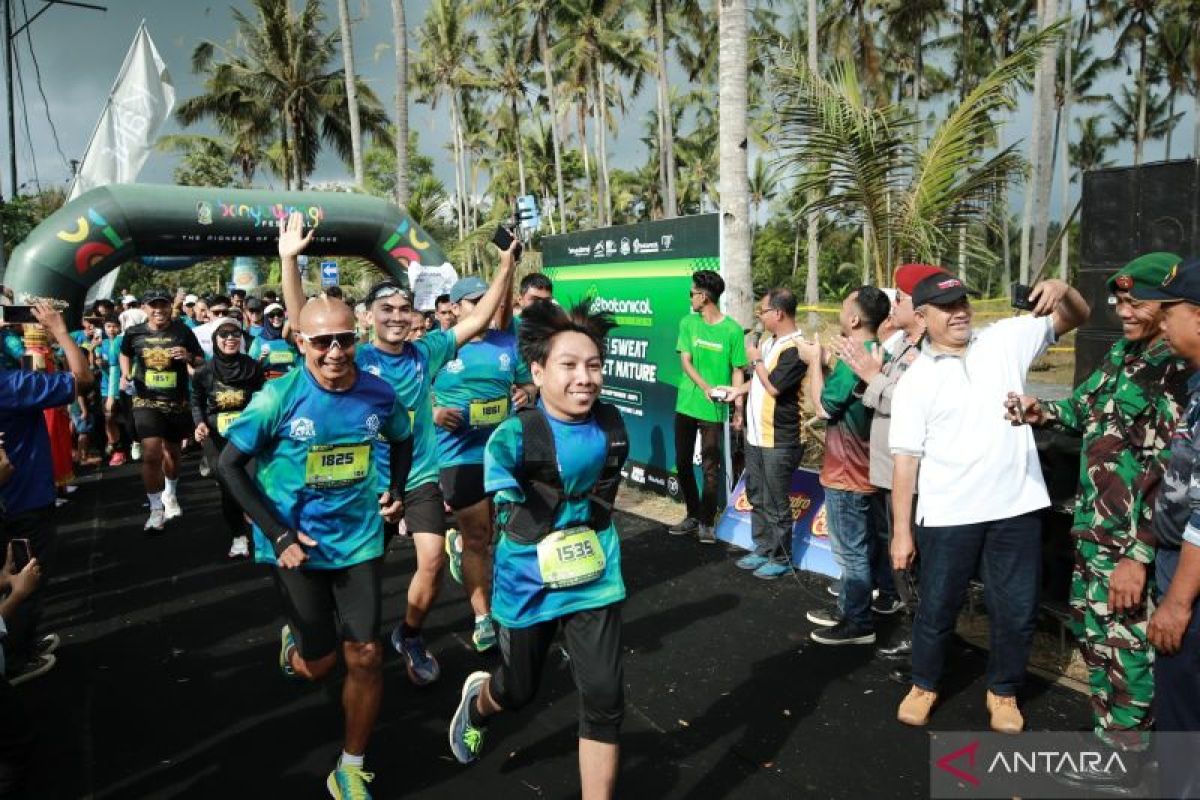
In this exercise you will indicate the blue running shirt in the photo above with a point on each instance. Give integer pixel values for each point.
(410, 373)
(293, 428)
(479, 384)
(519, 598)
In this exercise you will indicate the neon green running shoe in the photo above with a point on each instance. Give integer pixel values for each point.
(454, 553)
(484, 635)
(287, 643)
(349, 783)
(466, 740)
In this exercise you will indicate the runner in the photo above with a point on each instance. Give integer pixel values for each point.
(473, 394)
(273, 347)
(108, 359)
(409, 368)
(317, 513)
(155, 356)
(555, 470)
(221, 390)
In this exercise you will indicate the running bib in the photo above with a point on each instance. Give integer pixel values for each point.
(570, 557)
(279, 357)
(333, 465)
(226, 419)
(488, 413)
(159, 379)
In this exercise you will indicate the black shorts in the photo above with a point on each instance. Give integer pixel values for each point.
(327, 606)
(462, 485)
(593, 642)
(424, 510)
(153, 423)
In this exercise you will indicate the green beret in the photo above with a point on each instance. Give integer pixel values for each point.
(1143, 272)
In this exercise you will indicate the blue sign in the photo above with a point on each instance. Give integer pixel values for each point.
(329, 273)
(810, 531)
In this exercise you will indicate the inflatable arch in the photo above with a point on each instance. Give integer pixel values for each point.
(106, 227)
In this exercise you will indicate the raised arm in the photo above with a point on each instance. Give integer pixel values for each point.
(480, 317)
(292, 241)
(77, 360)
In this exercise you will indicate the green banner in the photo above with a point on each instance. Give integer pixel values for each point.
(641, 274)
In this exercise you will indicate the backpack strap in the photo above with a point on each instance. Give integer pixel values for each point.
(530, 521)
(604, 493)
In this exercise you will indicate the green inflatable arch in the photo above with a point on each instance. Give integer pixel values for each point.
(106, 227)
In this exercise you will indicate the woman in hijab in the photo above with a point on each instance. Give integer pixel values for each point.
(273, 348)
(220, 390)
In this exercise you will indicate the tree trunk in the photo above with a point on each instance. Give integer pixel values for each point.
(735, 185)
(1139, 137)
(519, 145)
(601, 110)
(1170, 123)
(812, 285)
(400, 45)
(548, 76)
(587, 163)
(1034, 137)
(460, 182)
(666, 134)
(351, 93)
(287, 156)
(1045, 182)
(1064, 150)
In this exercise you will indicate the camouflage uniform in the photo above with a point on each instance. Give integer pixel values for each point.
(1126, 411)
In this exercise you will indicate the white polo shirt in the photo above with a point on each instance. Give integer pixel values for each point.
(949, 411)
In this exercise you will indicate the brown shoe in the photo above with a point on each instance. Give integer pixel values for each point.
(915, 708)
(1006, 717)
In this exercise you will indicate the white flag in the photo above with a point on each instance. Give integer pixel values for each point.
(140, 101)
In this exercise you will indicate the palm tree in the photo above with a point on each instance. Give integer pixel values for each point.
(541, 12)
(448, 51)
(1135, 23)
(283, 60)
(400, 46)
(1173, 61)
(505, 72)
(1149, 116)
(1091, 151)
(239, 114)
(351, 92)
(735, 188)
(908, 22)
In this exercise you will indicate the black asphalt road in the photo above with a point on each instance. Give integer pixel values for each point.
(167, 683)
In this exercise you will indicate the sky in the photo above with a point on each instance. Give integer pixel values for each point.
(79, 52)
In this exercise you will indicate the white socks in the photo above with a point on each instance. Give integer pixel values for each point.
(348, 760)
(171, 484)
(156, 503)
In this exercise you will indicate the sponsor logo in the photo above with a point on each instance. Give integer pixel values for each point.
(455, 366)
(610, 247)
(598, 250)
(611, 306)
(375, 370)
(505, 362)
(580, 252)
(637, 474)
(204, 212)
(625, 246)
(372, 424)
(673, 486)
(302, 429)
(644, 247)
(666, 240)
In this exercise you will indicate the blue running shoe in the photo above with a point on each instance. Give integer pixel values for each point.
(287, 643)
(349, 783)
(751, 561)
(454, 554)
(484, 635)
(466, 740)
(422, 667)
(772, 570)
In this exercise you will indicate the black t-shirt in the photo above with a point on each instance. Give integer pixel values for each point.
(216, 402)
(156, 375)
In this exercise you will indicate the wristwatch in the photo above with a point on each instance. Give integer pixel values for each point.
(756, 362)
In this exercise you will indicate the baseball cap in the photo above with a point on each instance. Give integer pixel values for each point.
(1147, 271)
(907, 276)
(940, 288)
(1181, 283)
(471, 287)
(223, 321)
(272, 308)
(129, 300)
(190, 300)
(253, 304)
(156, 294)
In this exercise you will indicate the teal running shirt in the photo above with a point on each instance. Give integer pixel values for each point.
(314, 463)
(519, 596)
(479, 384)
(278, 356)
(410, 374)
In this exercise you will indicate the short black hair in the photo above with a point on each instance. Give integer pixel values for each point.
(269, 296)
(783, 300)
(710, 283)
(219, 300)
(238, 293)
(874, 305)
(333, 291)
(441, 298)
(541, 322)
(535, 280)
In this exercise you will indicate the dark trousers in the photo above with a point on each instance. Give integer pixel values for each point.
(852, 539)
(36, 525)
(768, 480)
(1008, 554)
(16, 743)
(231, 512)
(699, 507)
(1177, 696)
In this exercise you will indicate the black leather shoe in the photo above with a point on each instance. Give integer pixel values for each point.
(901, 649)
(1124, 777)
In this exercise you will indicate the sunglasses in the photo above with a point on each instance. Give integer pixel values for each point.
(388, 290)
(275, 315)
(228, 334)
(321, 342)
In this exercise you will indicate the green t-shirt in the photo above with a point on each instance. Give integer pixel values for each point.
(715, 351)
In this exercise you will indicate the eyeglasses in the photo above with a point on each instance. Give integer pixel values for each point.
(228, 334)
(321, 342)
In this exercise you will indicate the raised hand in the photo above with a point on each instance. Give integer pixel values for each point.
(292, 238)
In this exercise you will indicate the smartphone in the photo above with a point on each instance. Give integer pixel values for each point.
(1020, 297)
(22, 555)
(19, 315)
(503, 238)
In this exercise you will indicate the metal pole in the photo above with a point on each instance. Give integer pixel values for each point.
(8, 89)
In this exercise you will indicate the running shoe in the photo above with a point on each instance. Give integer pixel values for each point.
(34, 667)
(484, 635)
(823, 617)
(135, 451)
(287, 643)
(887, 605)
(422, 667)
(118, 458)
(171, 509)
(349, 783)
(240, 548)
(156, 521)
(46, 645)
(687, 527)
(454, 553)
(465, 739)
(772, 570)
(845, 632)
(750, 561)
(707, 534)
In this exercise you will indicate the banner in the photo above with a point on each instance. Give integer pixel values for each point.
(810, 533)
(641, 274)
(140, 101)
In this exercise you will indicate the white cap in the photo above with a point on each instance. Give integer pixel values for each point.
(272, 307)
(128, 299)
(190, 300)
(223, 321)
